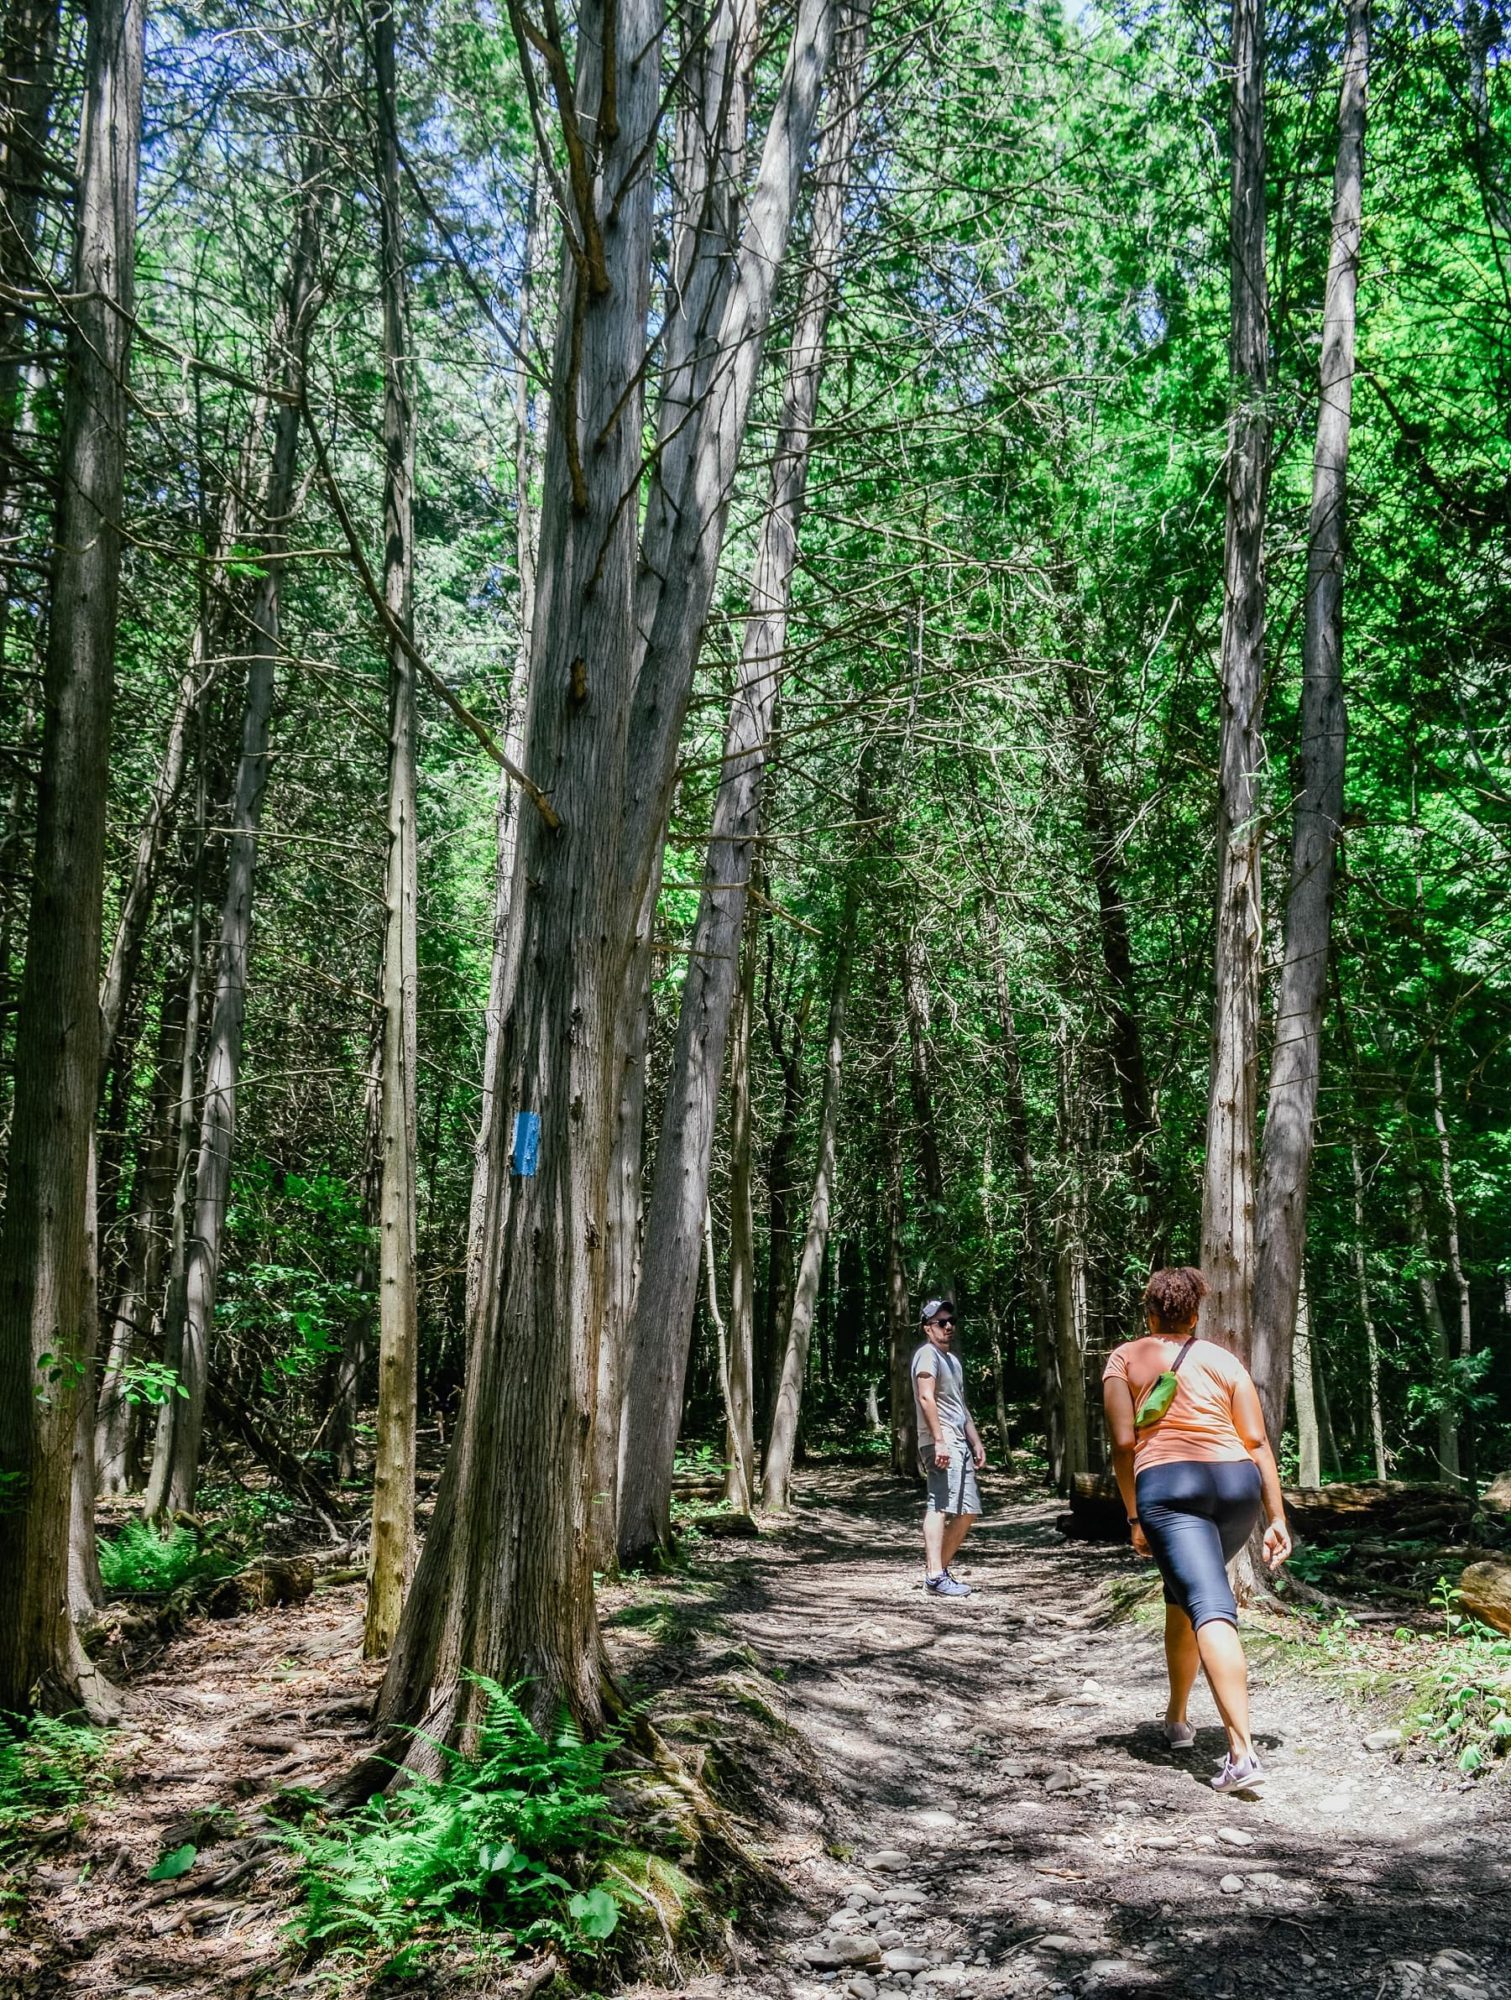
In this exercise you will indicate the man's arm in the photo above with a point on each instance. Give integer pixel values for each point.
(929, 1404)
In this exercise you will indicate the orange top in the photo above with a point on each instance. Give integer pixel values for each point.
(1199, 1423)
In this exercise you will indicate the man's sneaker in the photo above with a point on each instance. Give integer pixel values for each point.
(1179, 1735)
(944, 1585)
(1239, 1774)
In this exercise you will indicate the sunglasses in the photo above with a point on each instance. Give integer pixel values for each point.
(944, 1320)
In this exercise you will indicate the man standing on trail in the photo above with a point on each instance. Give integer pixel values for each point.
(950, 1450)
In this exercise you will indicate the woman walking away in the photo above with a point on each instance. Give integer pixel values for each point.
(1194, 1468)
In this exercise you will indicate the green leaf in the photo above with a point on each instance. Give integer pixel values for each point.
(178, 1861)
(1471, 1758)
(595, 1913)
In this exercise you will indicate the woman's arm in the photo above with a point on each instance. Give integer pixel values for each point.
(1117, 1406)
(1248, 1420)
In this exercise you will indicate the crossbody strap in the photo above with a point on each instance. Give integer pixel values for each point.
(1185, 1350)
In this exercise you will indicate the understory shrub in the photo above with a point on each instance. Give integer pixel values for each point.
(1466, 1705)
(507, 1846)
(140, 1558)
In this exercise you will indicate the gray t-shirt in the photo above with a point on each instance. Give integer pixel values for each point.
(949, 1390)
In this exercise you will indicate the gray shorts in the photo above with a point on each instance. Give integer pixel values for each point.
(952, 1487)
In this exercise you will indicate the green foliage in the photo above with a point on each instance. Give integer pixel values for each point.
(50, 1769)
(148, 1383)
(501, 1847)
(177, 1861)
(1466, 1694)
(144, 1558)
(302, 1243)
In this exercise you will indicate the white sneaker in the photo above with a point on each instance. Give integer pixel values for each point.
(1239, 1774)
(1179, 1735)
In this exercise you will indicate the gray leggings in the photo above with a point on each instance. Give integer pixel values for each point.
(1196, 1516)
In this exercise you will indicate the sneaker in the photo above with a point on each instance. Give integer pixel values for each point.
(944, 1585)
(1239, 1774)
(1179, 1735)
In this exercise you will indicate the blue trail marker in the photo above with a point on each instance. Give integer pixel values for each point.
(526, 1153)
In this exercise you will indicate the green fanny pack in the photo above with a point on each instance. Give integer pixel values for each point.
(1162, 1395)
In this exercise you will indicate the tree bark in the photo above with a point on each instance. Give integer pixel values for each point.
(155, 1500)
(1127, 1050)
(915, 1001)
(1036, 1278)
(538, 238)
(391, 1555)
(1367, 1318)
(1308, 1435)
(28, 77)
(900, 1332)
(1455, 1264)
(176, 1481)
(1437, 1332)
(48, 1320)
(784, 1422)
(740, 1476)
(1070, 1278)
(139, 1293)
(1295, 1066)
(781, 1186)
(1227, 1225)
(622, 1237)
(707, 406)
(661, 1328)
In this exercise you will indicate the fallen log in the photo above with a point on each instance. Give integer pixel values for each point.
(1393, 1508)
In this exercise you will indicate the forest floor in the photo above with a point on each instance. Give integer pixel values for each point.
(974, 1789)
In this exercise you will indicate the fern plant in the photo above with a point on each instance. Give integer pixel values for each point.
(479, 1851)
(50, 1769)
(141, 1559)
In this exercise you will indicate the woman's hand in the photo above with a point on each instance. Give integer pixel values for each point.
(1140, 1542)
(1277, 1542)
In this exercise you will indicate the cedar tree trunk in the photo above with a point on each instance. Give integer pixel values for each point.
(48, 1317)
(1295, 1066)
(1227, 1223)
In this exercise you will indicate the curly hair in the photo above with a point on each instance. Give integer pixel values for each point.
(1173, 1298)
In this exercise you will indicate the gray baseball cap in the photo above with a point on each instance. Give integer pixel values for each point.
(933, 1307)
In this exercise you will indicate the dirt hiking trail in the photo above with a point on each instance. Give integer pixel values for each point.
(966, 1799)
(1010, 1818)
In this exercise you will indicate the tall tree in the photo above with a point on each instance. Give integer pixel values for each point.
(661, 1329)
(180, 1438)
(391, 1555)
(1227, 1219)
(1296, 1063)
(504, 1582)
(611, 678)
(781, 1447)
(1035, 1266)
(740, 1452)
(48, 1319)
